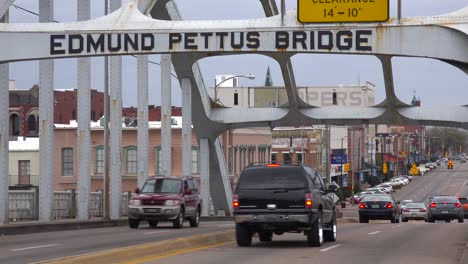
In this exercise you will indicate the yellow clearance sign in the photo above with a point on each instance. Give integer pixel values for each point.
(342, 11)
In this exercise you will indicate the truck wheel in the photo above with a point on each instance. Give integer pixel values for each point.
(179, 221)
(133, 223)
(330, 235)
(363, 219)
(243, 236)
(196, 219)
(265, 236)
(153, 223)
(315, 236)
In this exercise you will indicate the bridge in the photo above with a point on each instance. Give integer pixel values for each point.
(143, 27)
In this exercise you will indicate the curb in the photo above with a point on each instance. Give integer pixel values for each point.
(38, 227)
(150, 251)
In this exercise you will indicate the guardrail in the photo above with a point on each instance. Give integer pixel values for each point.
(23, 205)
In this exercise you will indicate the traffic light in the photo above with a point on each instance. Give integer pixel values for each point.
(346, 167)
(384, 168)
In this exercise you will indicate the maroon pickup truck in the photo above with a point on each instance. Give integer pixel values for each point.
(173, 199)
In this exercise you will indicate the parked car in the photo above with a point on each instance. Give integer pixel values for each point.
(379, 206)
(422, 169)
(385, 185)
(379, 189)
(445, 208)
(275, 199)
(462, 160)
(464, 202)
(173, 199)
(414, 211)
(408, 177)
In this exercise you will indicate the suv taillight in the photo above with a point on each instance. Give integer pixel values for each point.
(308, 200)
(235, 201)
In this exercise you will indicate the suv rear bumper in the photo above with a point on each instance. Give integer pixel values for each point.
(153, 212)
(276, 218)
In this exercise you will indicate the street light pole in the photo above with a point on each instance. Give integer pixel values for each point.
(248, 76)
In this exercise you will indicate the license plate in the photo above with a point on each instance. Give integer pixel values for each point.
(444, 212)
(375, 206)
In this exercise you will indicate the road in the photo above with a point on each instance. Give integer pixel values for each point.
(376, 242)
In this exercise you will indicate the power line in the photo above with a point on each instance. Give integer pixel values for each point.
(36, 14)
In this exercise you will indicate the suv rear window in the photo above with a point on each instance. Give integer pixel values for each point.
(272, 178)
(161, 186)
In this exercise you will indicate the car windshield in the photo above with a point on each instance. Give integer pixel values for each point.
(376, 198)
(445, 200)
(272, 178)
(161, 186)
(415, 205)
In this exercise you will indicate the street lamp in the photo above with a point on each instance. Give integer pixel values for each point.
(248, 76)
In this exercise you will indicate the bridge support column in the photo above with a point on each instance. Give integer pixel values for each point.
(83, 131)
(4, 135)
(115, 138)
(186, 127)
(205, 176)
(143, 138)
(46, 123)
(166, 106)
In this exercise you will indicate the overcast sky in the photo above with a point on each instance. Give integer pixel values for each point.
(435, 82)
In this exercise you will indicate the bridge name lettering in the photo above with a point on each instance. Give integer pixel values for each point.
(301, 41)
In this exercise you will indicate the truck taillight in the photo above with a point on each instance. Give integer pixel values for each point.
(308, 200)
(235, 201)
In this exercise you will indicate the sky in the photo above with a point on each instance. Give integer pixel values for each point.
(434, 82)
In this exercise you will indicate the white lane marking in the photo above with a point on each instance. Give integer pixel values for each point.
(42, 246)
(155, 232)
(373, 233)
(399, 225)
(328, 248)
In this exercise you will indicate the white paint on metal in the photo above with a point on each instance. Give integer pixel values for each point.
(4, 135)
(46, 123)
(4, 6)
(83, 131)
(205, 176)
(115, 84)
(186, 127)
(226, 182)
(166, 106)
(143, 136)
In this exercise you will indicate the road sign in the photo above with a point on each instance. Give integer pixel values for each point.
(339, 11)
(339, 158)
(345, 180)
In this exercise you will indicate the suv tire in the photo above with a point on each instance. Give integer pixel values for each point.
(153, 223)
(179, 221)
(265, 236)
(133, 223)
(195, 221)
(315, 235)
(330, 235)
(243, 236)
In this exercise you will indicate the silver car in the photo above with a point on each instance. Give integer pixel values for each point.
(445, 208)
(414, 211)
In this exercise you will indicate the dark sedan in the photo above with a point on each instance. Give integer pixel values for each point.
(445, 208)
(379, 206)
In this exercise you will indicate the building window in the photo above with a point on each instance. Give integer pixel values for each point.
(299, 157)
(24, 171)
(236, 99)
(14, 125)
(287, 157)
(274, 157)
(158, 161)
(131, 160)
(99, 160)
(67, 162)
(335, 101)
(32, 123)
(195, 160)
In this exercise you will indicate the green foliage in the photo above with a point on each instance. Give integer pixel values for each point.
(451, 138)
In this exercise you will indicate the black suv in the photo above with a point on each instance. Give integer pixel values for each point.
(276, 198)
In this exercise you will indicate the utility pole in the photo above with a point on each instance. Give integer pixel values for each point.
(106, 194)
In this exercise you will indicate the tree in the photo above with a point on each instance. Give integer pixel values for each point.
(448, 139)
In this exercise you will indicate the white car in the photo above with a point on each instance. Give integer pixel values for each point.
(386, 186)
(379, 189)
(396, 182)
(422, 169)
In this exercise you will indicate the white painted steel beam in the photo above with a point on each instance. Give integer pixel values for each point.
(46, 123)
(115, 138)
(143, 136)
(205, 176)
(166, 115)
(186, 127)
(83, 131)
(4, 6)
(4, 136)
